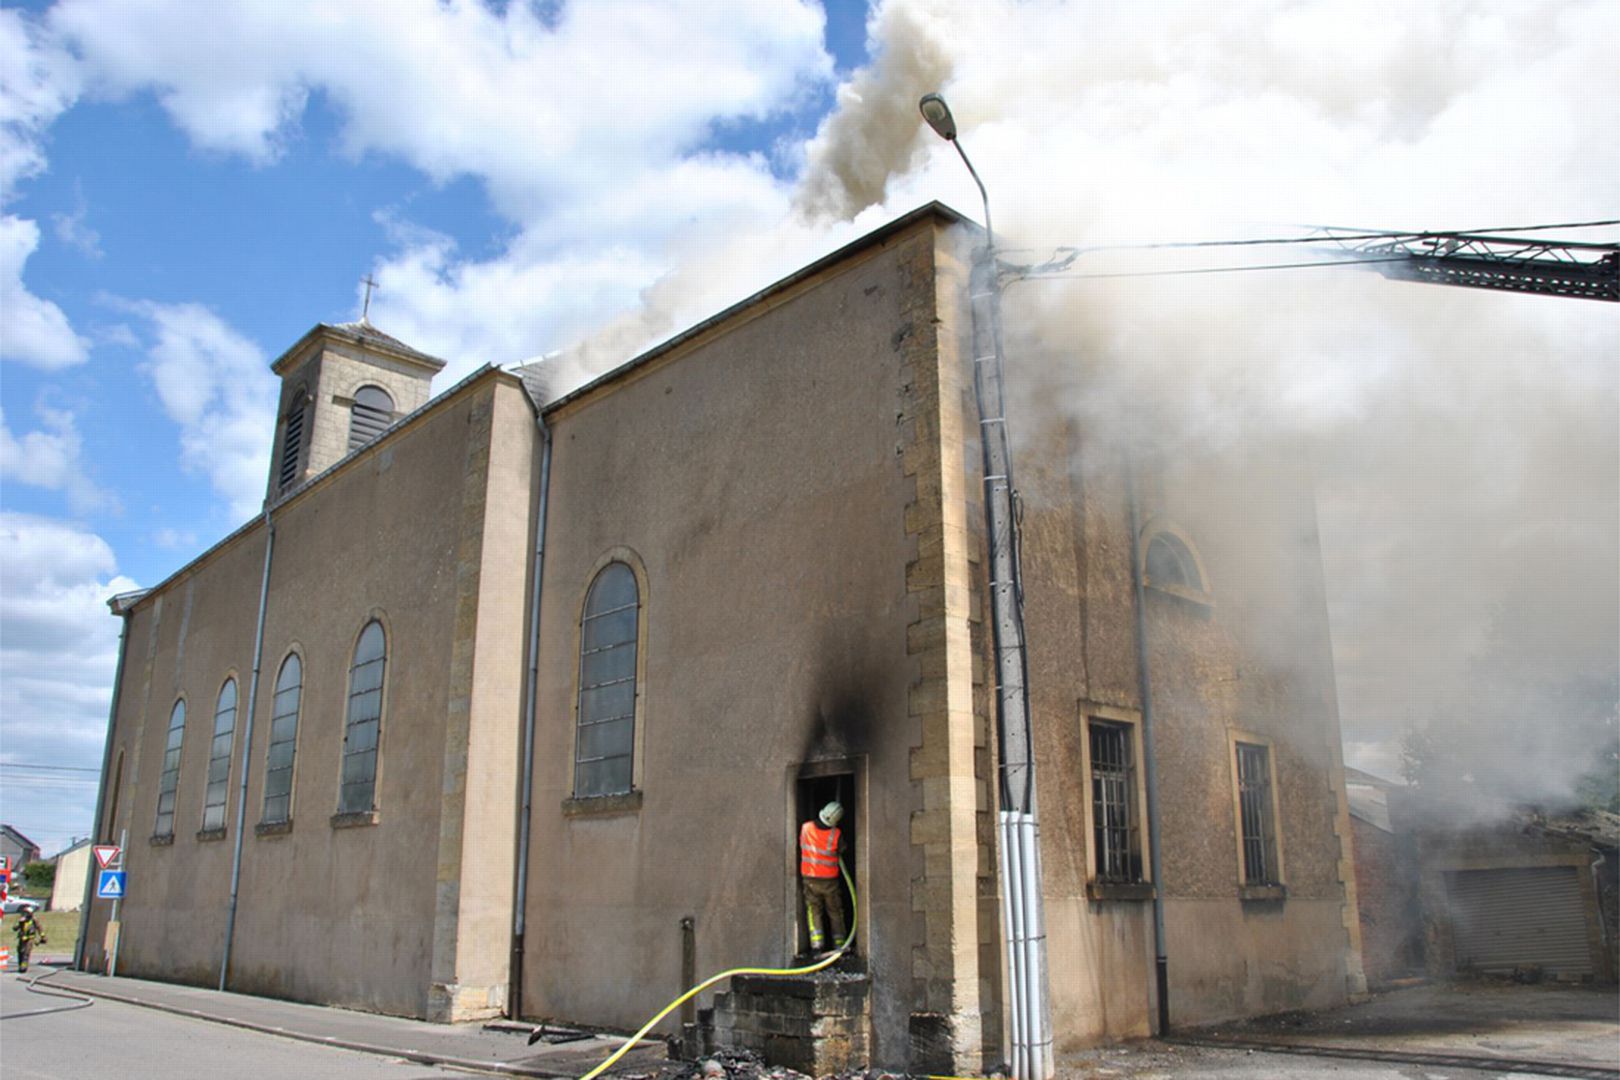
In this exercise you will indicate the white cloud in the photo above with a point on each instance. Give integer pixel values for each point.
(38, 81)
(58, 650)
(35, 331)
(216, 385)
(172, 539)
(459, 88)
(51, 457)
(74, 230)
(586, 129)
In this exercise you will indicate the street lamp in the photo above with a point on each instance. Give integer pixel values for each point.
(1019, 828)
(938, 114)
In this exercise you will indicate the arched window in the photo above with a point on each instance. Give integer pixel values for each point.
(605, 741)
(170, 779)
(1171, 565)
(369, 416)
(219, 759)
(357, 791)
(278, 765)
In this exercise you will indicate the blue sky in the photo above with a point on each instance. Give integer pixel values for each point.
(186, 188)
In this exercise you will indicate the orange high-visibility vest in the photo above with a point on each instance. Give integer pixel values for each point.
(818, 851)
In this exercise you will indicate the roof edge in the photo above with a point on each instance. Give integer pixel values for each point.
(135, 597)
(879, 235)
(377, 340)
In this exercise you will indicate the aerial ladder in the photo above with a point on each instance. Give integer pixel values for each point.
(1587, 271)
(1474, 259)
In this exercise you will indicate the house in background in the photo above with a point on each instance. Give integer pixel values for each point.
(1514, 891)
(19, 850)
(1386, 883)
(1453, 886)
(548, 682)
(72, 873)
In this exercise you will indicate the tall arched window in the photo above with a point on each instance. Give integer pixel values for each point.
(278, 765)
(219, 759)
(369, 416)
(170, 779)
(605, 741)
(357, 791)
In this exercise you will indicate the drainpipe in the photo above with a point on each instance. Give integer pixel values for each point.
(1150, 764)
(1018, 821)
(514, 994)
(247, 746)
(121, 606)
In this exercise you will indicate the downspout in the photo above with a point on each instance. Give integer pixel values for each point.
(1150, 764)
(247, 746)
(514, 993)
(121, 608)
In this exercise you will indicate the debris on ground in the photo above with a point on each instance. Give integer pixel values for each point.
(723, 1064)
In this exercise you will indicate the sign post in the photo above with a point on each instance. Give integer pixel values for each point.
(113, 866)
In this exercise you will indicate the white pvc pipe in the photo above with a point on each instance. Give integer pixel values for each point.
(1038, 1007)
(1013, 909)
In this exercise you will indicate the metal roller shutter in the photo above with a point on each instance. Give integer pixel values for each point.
(1519, 918)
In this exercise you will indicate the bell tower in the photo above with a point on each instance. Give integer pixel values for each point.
(341, 387)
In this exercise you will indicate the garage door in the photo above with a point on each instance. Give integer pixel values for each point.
(1528, 917)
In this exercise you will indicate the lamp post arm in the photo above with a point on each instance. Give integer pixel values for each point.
(989, 231)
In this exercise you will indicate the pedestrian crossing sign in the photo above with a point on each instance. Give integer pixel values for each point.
(111, 885)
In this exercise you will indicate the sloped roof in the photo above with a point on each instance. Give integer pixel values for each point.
(360, 333)
(1360, 776)
(19, 837)
(1369, 804)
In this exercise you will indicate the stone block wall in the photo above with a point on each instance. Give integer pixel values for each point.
(816, 1024)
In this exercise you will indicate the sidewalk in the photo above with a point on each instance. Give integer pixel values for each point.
(465, 1046)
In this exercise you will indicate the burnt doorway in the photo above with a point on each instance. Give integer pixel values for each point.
(820, 783)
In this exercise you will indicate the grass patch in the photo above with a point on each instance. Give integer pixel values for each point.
(61, 932)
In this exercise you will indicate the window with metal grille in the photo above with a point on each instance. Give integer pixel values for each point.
(357, 792)
(605, 741)
(1113, 803)
(169, 781)
(369, 416)
(219, 758)
(278, 766)
(1255, 813)
(292, 444)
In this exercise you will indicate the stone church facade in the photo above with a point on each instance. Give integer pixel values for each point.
(734, 577)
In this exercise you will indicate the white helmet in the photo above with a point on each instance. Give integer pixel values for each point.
(832, 813)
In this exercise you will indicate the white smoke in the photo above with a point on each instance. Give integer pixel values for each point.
(1465, 443)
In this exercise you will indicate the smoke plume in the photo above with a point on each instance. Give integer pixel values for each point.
(1465, 444)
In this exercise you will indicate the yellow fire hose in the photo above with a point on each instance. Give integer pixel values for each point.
(854, 921)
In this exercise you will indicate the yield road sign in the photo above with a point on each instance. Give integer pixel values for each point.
(110, 886)
(106, 855)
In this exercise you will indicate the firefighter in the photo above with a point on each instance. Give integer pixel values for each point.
(28, 932)
(819, 864)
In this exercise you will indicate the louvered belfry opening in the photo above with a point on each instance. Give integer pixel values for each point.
(343, 388)
(369, 417)
(292, 446)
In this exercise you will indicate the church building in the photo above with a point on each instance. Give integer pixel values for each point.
(511, 702)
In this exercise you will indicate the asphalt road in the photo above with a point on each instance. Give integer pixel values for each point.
(49, 1038)
(56, 1038)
